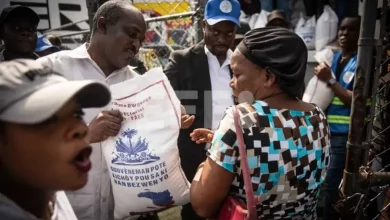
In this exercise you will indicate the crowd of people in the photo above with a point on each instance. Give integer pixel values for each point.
(52, 123)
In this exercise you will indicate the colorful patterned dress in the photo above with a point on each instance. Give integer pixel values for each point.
(288, 153)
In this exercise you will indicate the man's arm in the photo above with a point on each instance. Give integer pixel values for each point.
(324, 73)
(343, 94)
(55, 62)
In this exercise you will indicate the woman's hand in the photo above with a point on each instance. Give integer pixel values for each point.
(202, 135)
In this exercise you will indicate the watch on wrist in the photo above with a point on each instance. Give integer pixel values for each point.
(332, 81)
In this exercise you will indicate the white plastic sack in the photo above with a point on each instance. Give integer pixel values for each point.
(301, 22)
(326, 30)
(252, 20)
(262, 19)
(317, 91)
(143, 158)
(324, 56)
(307, 30)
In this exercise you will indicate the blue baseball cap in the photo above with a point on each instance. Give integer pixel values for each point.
(43, 44)
(222, 10)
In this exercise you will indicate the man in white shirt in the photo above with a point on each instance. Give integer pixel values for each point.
(200, 75)
(117, 33)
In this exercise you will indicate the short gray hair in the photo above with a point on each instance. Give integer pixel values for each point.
(111, 11)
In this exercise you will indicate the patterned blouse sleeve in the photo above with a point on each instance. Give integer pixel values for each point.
(222, 150)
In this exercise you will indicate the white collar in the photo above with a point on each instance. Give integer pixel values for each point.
(228, 55)
(81, 52)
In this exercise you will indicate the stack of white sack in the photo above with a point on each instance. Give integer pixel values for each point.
(307, 31)
(326, 28)
(317, 91)
(143, 158)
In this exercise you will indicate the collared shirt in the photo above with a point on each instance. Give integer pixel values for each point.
(94, 201)
(221, 92)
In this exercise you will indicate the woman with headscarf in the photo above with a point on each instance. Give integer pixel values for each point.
(287, 140)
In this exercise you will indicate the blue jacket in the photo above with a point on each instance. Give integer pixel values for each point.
(338, 112)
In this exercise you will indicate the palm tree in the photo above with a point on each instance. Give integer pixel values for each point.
(129, 133)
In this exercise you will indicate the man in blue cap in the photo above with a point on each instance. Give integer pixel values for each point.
(44, 46)
(200, 76)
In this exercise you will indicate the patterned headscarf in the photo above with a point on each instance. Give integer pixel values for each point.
(282, 52)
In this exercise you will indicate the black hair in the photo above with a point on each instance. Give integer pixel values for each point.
(111, 11)
(354, 16)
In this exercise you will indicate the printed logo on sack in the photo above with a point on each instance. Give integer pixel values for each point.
(161, 199)
(132, 153)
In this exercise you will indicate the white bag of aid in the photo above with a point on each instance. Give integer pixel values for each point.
(326, 29)
(306, 30)
(143, 158)
(317, 91)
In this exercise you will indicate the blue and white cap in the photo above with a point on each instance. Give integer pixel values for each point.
(222, 10)
(43, 44)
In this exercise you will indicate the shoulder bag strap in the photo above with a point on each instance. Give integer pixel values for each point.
(250, 198)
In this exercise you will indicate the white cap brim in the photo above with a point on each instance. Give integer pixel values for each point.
(45, 102)
(217, 19)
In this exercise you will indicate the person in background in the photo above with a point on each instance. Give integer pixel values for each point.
(281, 5)
(286, 140)
(44, 47)
(18, 30)
(277, 19)
(200, 76)
(54, 40)
(338, 112)
(250, 7)
(118, 30)
(43, 139)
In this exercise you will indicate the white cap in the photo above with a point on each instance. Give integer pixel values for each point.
(32, 93)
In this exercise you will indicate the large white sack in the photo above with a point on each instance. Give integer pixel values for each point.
(317, 91)
(262, 19)
(326, 29)
(143, 158)
(307, 31)
(252, 20)
(301, 21)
